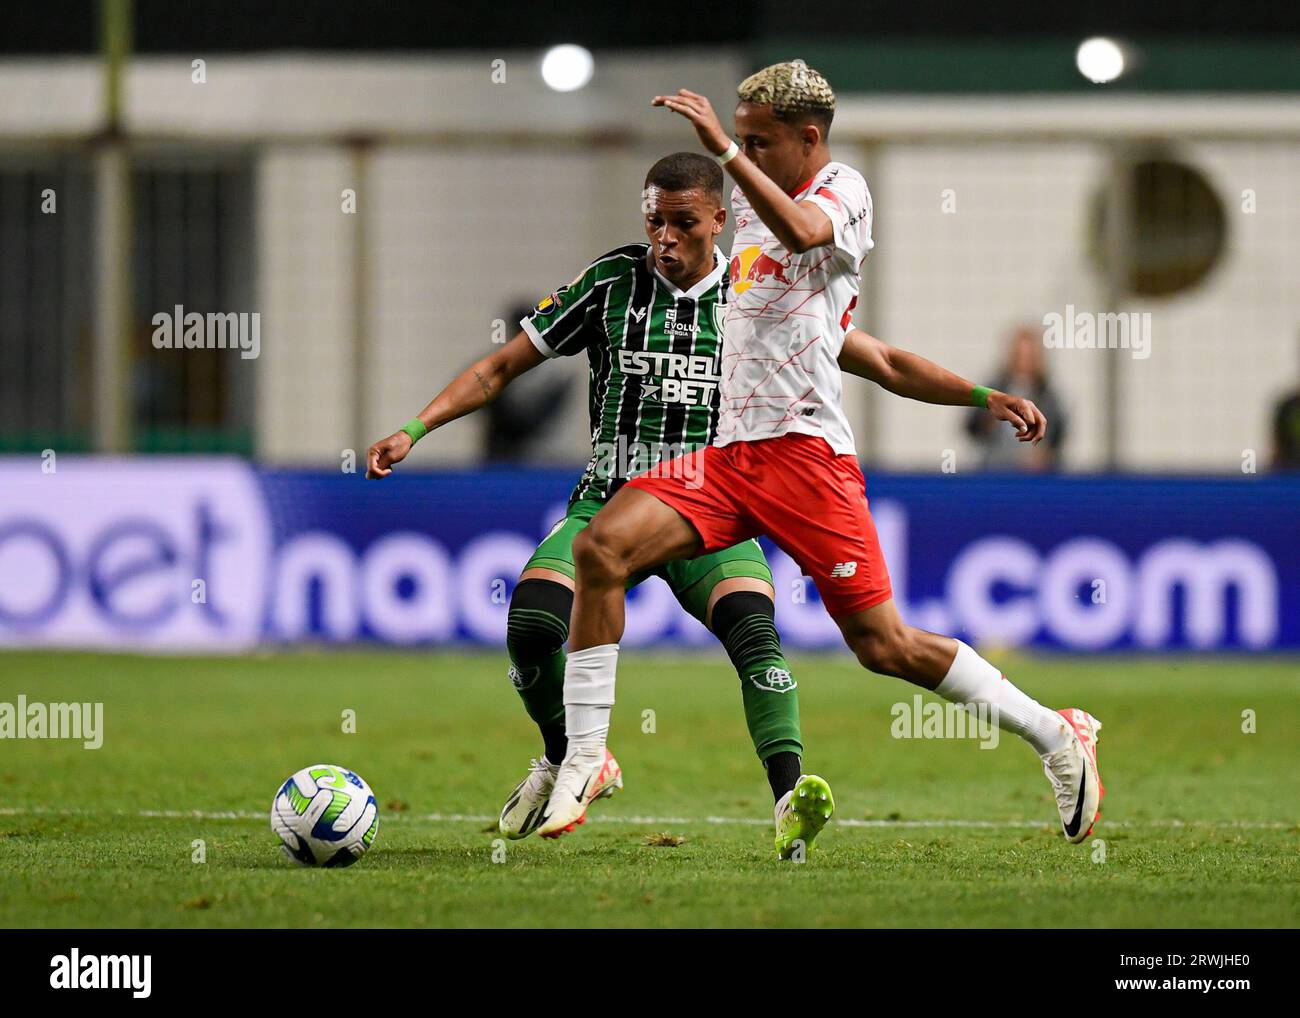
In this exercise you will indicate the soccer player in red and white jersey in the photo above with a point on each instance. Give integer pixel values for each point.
(783, 462)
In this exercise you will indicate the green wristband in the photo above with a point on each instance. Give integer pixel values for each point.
(415, 428)
(979, 396)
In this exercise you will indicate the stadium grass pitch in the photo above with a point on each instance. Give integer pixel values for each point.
(1199, 824)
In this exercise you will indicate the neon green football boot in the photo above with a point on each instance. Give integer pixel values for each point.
(800, 816)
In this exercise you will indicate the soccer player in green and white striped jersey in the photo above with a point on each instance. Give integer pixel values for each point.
(649, 318)
(653, 350)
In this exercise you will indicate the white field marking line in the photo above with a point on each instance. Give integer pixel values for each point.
(647, 821)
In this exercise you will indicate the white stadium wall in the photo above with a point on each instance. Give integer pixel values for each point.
(478, 195)
(951, 283)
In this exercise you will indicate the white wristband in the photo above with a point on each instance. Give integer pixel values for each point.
(733, 150)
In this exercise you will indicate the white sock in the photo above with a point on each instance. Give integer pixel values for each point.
(589, 697)
(972, 680)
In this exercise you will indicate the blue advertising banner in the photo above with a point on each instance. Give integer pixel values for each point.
(215, 554)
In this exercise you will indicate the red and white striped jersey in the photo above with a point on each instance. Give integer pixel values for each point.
(787, 316)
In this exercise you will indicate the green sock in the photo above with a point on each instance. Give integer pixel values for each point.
(766, 685)
(535, 635)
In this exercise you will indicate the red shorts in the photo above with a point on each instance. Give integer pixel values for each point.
(797, 491)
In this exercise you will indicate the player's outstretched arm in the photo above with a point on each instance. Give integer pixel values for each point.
(476, 386)
(799, 226)
(912, 376)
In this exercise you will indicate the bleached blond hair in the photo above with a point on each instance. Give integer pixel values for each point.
(794, 91)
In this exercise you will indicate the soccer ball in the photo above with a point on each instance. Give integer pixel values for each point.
(326, 816)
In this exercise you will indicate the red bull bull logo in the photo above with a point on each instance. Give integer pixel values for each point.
(753, 266)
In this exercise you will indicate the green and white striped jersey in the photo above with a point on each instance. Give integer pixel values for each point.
(653, 353)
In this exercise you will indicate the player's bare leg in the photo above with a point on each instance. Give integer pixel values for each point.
(885, 644)
(634, 531)
(1065, 740)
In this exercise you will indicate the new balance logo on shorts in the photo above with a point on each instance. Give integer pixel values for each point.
(844, 569)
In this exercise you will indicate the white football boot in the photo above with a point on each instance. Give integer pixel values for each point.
(1074, 775)
(523, 810)
(583, 778)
